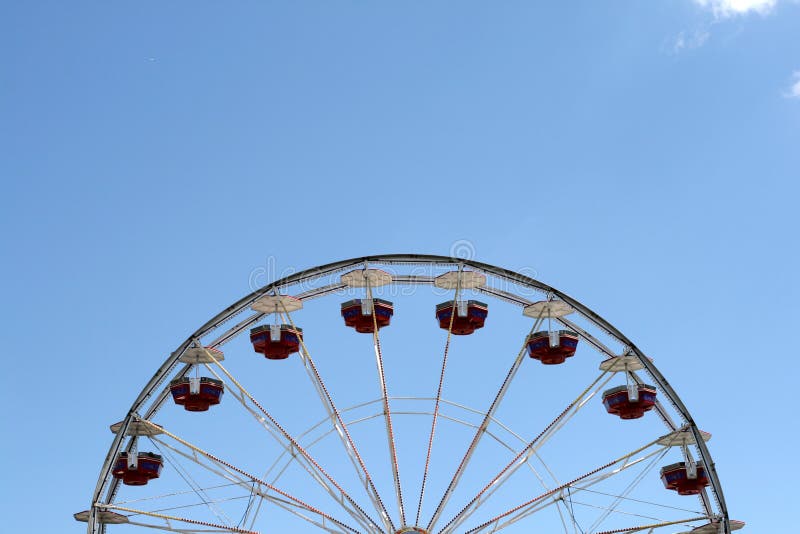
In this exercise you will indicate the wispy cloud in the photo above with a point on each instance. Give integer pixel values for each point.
(687, 40)
(794, 89)
(730, 8)
(721, 10)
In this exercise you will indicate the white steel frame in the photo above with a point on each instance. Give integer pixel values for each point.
(154, 394)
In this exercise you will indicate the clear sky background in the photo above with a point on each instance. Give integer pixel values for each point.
(642, 156)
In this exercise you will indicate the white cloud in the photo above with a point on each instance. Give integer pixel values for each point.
(794, 89)
(729, 8)
(689, 40)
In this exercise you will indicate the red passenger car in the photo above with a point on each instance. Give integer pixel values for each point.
(196, 394)
(358, 314)
(552, 347)
(137, 471)
(675, 477)
(618, 402)
(470, 315)
(276, 342)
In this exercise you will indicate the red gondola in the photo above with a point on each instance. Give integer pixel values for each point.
(276, 342)
(675, 477)
(554, 347)
(358, 313)
(617, 401)
(196, 394)
(470, 315)
(145, 467)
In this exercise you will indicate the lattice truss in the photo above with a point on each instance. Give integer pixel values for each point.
(408, 393)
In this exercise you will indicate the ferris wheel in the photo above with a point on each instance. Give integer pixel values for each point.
(408, 394)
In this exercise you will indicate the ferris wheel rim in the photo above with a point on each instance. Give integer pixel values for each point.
(172, 361)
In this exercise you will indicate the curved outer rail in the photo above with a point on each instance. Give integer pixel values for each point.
(105, 480)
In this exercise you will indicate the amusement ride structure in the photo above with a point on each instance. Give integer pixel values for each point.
(408, 394)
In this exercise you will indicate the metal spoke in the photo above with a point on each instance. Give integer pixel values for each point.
(173, 494)
(659, 407)
(113, 486)
(221, 471)
(587, 482)
(253, 478)
(279, 502)
(305, 460)
(258, 509)
(167, 528)
(198, 490)
(523, 456)
(592, 477)
(322, 282)
(630, 530)
(614, 510)
(594, 342)
(439, 394)
(619, 498)
(229, 474)
(650, 503)
(221, 528)
(441, 415)
(376, 341)
(341, 428)
(479, 433)
(361, 515)
(320, 524)
(676, 402)
(511, 449)
(703, 495)
(193, 505)
(164, 393)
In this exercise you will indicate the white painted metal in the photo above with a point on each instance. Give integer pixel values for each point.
(633, 391)
(341, 428)
(713, 528)
(103, 516)
(274, 333)
(462, 279)
(548, 308)
(291, 446)
(376, 343)
(691, 466)
(618, 364)
(198, 354)
(529, 450)
(366, 306)
(135, 429)
(479, 433)
(535, 504)
(682, 437)
(437, 403)
(554, 337)
(194, 385)
(153, 389)
(277, 304)
(234, 477)
(230, 467)
(366, 277)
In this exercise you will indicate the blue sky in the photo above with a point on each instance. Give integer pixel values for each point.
(641, 156)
